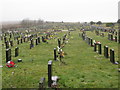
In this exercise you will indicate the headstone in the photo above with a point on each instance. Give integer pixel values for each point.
(91, 42)
(18, 42)
(106, 51)
(11, 43)
(21, 40)
(99, 48)
(95, 47)
(8, 55)
(16, 51)
(112, 56)
(115, 33)
(42, 39)
(49, 73)
(115, 38)
(10, 35)
(59, 43)
(36, 41)
(7, 44)
(55, 56)
(111, 37)
(5, 39)
(32, 43)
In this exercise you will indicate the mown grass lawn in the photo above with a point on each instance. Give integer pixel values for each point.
(84, 68)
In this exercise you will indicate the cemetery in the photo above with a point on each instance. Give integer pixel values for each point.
(60, 55)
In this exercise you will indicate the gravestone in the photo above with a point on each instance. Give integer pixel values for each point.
(49, 73)
(32, 43)
(21, 40)
(8, 55)
(42, 39)
(11, 43)
(99, 48)
(10, 35)
(16, 51)
(59, 43)
(91, 42)
(38, 39)
(112, 56)
(95, 47)
(55, 56)
(5, 39)
(111, 37)
(18, 42)
(115, 38)
(7, 44)
(106, 51)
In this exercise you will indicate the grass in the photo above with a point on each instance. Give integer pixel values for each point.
(84, 68)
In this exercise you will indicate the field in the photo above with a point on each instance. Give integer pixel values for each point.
(82, 67)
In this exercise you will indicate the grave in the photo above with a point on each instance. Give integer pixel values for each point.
(7, 44)
(11, 43)
(5, 39)
(106, 51)
(55, 55)
(112, 56)
(115, 38)
(99, 47)
(36, 41)
(91, 42)
(18, 42)
(21, 40)
(8, 55)
(49, 73)
(16, 51)
(32, 43)
(59, 43)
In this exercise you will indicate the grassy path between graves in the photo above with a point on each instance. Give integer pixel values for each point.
(84, 69)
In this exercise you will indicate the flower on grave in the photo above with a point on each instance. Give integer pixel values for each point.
(10, 64)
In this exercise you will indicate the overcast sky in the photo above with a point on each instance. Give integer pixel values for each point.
(60, 10)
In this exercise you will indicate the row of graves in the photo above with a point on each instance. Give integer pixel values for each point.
(98, 48)
(8, 40)
(112, 33)
(111, 36)
(58, 55)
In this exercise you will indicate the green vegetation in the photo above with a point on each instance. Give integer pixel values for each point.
(83, 67)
